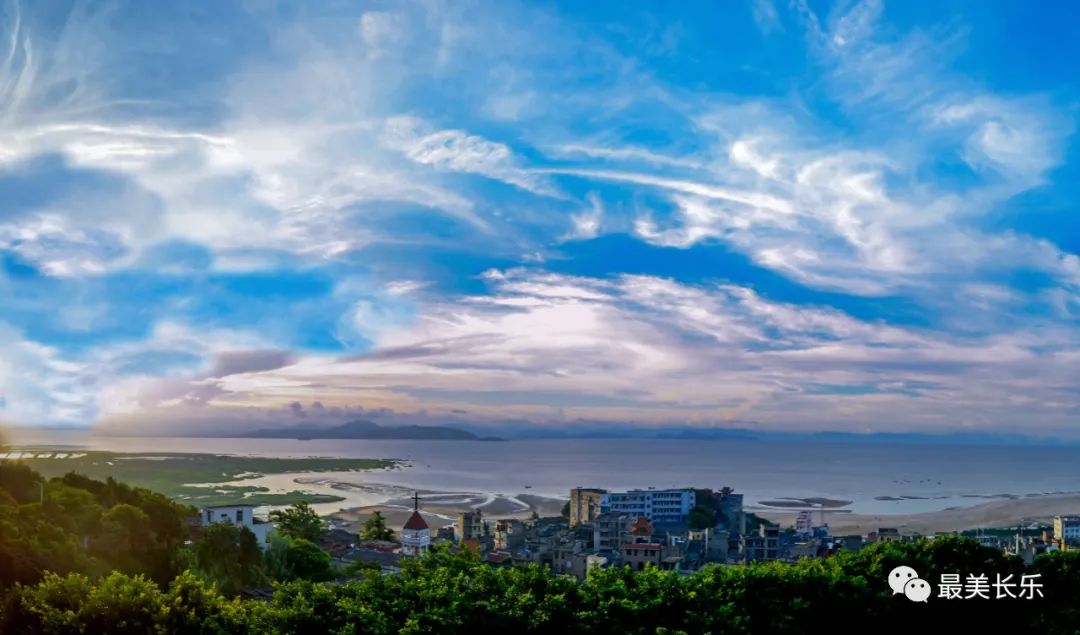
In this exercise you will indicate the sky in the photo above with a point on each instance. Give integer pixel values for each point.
(774, 215)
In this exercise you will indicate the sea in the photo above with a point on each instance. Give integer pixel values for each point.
(871, 477)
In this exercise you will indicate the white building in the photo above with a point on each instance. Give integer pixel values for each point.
(243, 515)
(659, 506)
(804, 524)
(415, 535)
(1067, 528)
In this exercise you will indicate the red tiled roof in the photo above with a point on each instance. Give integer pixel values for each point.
(416, 521)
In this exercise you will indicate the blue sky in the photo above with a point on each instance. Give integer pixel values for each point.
(784, 215)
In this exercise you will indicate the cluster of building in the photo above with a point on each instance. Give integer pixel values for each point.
(602, 528)
(673, 529)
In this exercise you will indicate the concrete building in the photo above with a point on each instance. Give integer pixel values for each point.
(1067, 529)
(804, 524)
(643, 549)
(570, 558)
(470, 525)
(415, 535)
(509, 534)
(763, 545)
(584, 505)
(715, 545)
(242, 515)
(884, 534)
(660, 506)
(640, 554)
(610, 531)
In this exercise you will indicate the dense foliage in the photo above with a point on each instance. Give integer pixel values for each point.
(77, 525)
(229, 556)
(457, 593)
(289, 559)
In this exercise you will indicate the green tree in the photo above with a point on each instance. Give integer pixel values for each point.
(196, 606)
(229, 556)
(117, 604)
(290, 559)
(375, 528)
(125, 538)
(309, 562)
(299, 520)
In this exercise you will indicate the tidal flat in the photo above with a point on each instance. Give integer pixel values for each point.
(195, 479)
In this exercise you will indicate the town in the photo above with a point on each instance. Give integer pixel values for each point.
(678, 530)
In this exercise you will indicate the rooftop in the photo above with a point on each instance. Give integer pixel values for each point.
(416, 521)
(241, 505)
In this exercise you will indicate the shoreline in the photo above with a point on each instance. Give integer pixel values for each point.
(362, 491)
(441, 507)
(1008, 512)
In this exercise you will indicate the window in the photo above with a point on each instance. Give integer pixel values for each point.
(239, 516)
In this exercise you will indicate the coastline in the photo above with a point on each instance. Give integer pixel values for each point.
(886, 497)
(395, 502)
(1008, 512)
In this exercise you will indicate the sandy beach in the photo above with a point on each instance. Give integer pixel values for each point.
(441, 509)
(997, 513)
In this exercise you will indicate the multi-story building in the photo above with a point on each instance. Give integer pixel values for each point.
(763, 545)
(610, 531)
(804, 524)
(715, 545)
(1067, 529)
(659, 506)
(509, 534)
(470, 525)
(584, 505)
(643, 549)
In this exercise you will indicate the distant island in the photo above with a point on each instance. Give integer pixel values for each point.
(362, 429)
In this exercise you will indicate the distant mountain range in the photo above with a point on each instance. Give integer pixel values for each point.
(514, 430)
(368, 430)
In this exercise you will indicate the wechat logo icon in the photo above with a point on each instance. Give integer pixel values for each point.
(905, 580)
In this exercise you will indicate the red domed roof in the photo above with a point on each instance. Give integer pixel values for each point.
(416, 521)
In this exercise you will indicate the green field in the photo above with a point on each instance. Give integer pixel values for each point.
(186, 477)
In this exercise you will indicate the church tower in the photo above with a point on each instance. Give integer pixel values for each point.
(415, 535)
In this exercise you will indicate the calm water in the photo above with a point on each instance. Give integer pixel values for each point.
(940, 476)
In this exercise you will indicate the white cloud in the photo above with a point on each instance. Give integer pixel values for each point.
(652, 350)
(586, 224)
(260, 178)
(381, 31)
(458, 151)
(38, 386)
